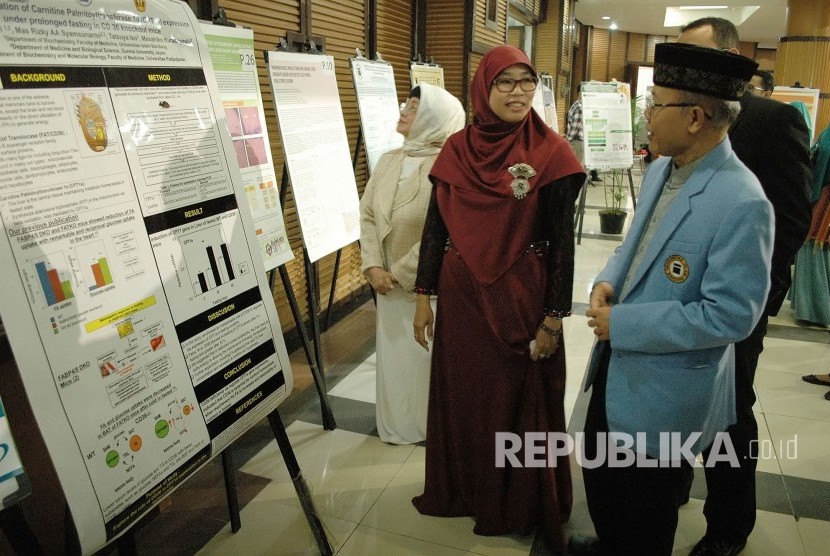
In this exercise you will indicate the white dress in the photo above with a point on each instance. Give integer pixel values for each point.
(402, 378)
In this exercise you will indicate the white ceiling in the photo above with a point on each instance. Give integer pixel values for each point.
(764, 26)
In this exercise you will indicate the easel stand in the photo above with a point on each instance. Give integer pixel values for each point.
(580, 208)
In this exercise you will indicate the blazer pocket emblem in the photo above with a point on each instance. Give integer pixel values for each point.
(676, 269)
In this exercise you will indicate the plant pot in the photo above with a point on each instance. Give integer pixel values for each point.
(611, 221)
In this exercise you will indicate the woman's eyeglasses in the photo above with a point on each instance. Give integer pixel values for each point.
(506, 85)
(409, 107)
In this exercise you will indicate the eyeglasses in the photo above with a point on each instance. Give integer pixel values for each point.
(410, 107)
(651, 105)
(506, 84)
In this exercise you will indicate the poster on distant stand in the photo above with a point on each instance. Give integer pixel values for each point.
(377, 102)
(234, 65)
(426, 73)
(544, 102)
(606, 117)
(134, 296)
(316, 150)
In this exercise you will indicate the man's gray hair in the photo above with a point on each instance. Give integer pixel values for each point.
(723, 112)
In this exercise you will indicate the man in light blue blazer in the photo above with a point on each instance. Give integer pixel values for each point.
(690, 280)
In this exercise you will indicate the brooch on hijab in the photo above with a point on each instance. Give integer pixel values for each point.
(521, 172)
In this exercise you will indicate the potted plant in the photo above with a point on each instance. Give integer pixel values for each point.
(612, 217)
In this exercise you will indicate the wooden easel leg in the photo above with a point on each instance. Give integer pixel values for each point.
(230, 489)
(303, 493)
(580, 209)
(631, 189)
(316, 369)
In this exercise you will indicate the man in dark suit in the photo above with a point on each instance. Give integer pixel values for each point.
(771, 138)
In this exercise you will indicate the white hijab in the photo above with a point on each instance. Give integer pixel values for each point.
(439, 115)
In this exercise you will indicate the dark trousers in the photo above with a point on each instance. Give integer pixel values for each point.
(730, 502)
(634, 509)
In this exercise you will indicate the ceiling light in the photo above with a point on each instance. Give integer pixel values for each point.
(606, 17)
(702, 7)
(613, 26)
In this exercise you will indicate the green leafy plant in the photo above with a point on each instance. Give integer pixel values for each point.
(638, 122)
(614, 192)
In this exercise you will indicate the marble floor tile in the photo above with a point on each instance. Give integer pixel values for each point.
(270, 528)
(782, 393)
(395, 513)
(366, 540)
(360, 383)
(346, 472)
(803, 445)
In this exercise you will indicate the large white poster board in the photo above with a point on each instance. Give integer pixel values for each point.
(232, 54)
(133, 292)
(377, 102)
(606, 114)
(426, 73)
(316, 150)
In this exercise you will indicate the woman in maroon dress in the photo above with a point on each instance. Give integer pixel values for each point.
(498, 251)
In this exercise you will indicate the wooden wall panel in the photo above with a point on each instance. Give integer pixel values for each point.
(617, 55)
(636, 47)
(484, 35)
(600, 42)
(394, 23)
(766, 58)
(445, 41)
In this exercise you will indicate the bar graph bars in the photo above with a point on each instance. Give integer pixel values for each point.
(208, 259)
(95, 266)
(54, 278)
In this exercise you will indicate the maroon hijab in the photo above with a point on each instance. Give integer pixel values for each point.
(489, 226)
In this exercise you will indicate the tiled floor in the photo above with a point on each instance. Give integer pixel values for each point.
(362, 487)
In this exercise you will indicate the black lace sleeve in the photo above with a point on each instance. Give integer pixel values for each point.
(433, 243)
(556, 214)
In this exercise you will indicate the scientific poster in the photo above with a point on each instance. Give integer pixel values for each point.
(316, 150)
(377, 101)
(426, 73)
(606, 113)
(134, 296)
(232, 53)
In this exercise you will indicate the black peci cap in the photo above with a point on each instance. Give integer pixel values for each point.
(697, 69)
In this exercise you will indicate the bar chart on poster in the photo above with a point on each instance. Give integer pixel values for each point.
(208, 260)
